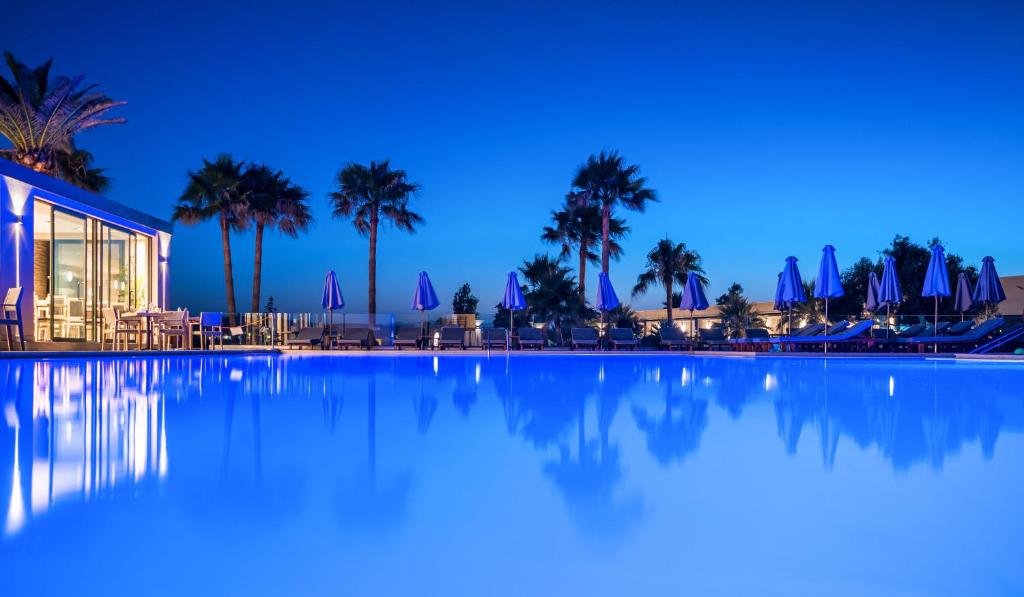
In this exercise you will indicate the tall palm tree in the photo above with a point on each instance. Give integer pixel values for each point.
(40, 117)
(214, 191)
(367, 194)
(551, 291)
(579, 227)
(669, 263)
(606, 182)
(272, 200)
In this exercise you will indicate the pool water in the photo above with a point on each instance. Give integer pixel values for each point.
(522, 475)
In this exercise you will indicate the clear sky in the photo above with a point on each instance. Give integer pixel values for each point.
(768, 129)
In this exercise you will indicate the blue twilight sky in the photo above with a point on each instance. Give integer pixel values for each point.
(768, 129)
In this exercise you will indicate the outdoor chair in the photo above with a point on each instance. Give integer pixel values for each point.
(621, 338)
(494, 338)
(407, 338)
(956, 329)
(308, 337)
(115, 327)
(452, 337)
(754, 338)
(970, 339)
(854, 335)
(174, 326)
(354, 337)
(583, 338)
(211, 329)
(530, 338)
(10, 316)
(673, 338)
(714, 338)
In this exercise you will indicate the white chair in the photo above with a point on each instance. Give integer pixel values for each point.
(115, 327)
(76, 318)
(175, 326)
(10, 316)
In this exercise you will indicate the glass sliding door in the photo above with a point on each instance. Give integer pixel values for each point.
(82, 265)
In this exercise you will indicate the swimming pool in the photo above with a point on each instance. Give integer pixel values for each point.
(528, 475)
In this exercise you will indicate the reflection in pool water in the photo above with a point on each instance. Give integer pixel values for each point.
(611, 474)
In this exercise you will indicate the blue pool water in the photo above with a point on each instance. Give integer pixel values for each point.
(529, 475)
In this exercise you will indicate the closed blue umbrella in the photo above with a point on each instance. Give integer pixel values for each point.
(791, 289)
(962, 299)
(693, 297)
(425, 298)
(606, 299)
(331, 298)
(828, 285)
(989, 289)
(513, 299)
(889, 291)
(872, 303)
(936, 280)
(780, 305)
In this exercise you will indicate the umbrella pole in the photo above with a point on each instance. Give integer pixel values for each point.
(935, 328)
(826, 325)
(508, 336)
(887, 320)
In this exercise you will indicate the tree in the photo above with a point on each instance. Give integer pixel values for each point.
(606, 182)
(810, 311)
(737, 312)
(367, 195)
(624, 316)
(214, 191)
(464, 301)
(40, 117)
(578, 227)
(855, 287)
(76, 166)
(677, 299)
(669, 263)
(270, 307)
(270, 199)
(911, 265)
(550, 293)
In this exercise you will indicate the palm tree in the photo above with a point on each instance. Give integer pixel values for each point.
(604, 181)
(271, 199)
(40, 117)
(214, 191)
(737, 312)
(579, 227)
(75, 166)
(810, 310)
(368, 193)
(669, 263)
(551, 291)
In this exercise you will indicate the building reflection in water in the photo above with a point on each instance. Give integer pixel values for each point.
(80, 430)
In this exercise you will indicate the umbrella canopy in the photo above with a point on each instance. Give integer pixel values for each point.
(827, 285)
(693, 295)
(989, 289)
(872, 303)
(780, 305)
(889, 291)
(936, 279)
(791, 285)
(513, 299)
(606, 299)
(962, 299)
(331, 298)
(425, 298)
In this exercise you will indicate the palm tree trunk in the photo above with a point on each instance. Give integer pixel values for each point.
(583, 275)
(371, 302)
(229, 278)
(606, 215)
(668, 300)
(257, 269)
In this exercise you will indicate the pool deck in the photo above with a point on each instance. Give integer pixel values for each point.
(385, 353)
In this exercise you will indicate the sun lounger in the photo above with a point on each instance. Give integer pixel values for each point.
(583, 338)
(673, 338)
(494, 338)
(452, 337)
(531, 338)
(956, 329)
(854, 334)
(306, 338)
(756, 339)
(714, 338)
(407, 338)
(621, 338)
(970, 339)
(353, 338)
